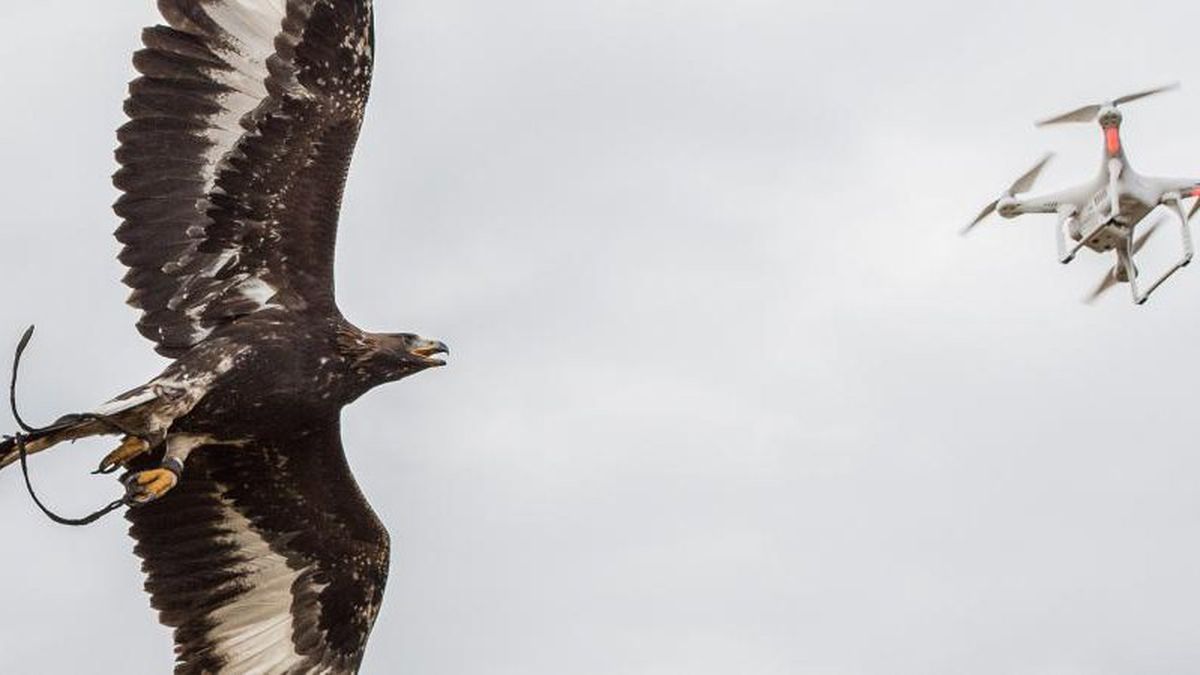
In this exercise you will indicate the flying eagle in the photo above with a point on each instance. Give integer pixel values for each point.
(259, 549)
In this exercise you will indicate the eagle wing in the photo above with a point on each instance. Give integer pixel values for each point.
(265, 558)
(242, 126)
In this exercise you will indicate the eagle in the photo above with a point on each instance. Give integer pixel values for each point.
(258, 547)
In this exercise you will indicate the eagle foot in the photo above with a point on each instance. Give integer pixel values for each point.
(131, 448)
(150, 485)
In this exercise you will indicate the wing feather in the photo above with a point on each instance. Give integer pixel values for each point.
(265, 558)
(233, 162)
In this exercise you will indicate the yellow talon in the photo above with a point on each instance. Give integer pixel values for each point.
(144, 487)
(131, 447)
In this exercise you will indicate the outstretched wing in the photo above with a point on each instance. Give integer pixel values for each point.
(241, 130)
(265, 558)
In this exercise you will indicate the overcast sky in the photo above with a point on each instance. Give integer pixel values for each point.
(728, 393)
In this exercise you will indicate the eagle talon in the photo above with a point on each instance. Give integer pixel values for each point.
(131, 447)
(144, 487)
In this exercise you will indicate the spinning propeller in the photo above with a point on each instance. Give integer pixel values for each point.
(1022, 184)
(1114, 276)
(1089, 113)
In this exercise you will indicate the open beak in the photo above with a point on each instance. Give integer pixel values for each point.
(426, 350)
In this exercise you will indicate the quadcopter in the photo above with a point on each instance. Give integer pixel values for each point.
(1104, 213)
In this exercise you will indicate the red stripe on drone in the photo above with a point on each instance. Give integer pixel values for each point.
(1112, 137)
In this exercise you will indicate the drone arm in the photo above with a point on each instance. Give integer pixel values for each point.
(1023, 207)
(1170, 188)
(1058, 202)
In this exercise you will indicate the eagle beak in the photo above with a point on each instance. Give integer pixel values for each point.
(427, 349)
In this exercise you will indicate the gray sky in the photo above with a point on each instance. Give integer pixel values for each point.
(728, 393)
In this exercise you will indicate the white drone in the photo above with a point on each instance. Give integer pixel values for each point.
(1103, 213)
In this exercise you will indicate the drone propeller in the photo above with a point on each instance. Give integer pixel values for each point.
(1109, 280)
(1023, 184)
(1088, 113)
(1130, 98)
(1085, 114)
(1113, 277)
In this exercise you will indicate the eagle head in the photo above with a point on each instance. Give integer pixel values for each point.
(408, 353)
(377, 358)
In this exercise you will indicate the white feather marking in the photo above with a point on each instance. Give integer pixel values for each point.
(183, 390)
(257, 291)
(132, 400)
(180, 446)
(248, 30)
(253, 634)
(251, 26)
(247, 22)
(223, 259)
(200, 334)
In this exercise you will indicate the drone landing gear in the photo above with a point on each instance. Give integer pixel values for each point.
(1065, 256)
(1126, 260)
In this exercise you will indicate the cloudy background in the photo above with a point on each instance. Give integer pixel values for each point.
(728, 393)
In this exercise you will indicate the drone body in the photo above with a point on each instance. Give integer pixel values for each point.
(1104, 213)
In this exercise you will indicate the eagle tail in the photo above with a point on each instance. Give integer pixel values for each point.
(67, 428)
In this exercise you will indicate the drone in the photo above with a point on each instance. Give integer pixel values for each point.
(1104, 213)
